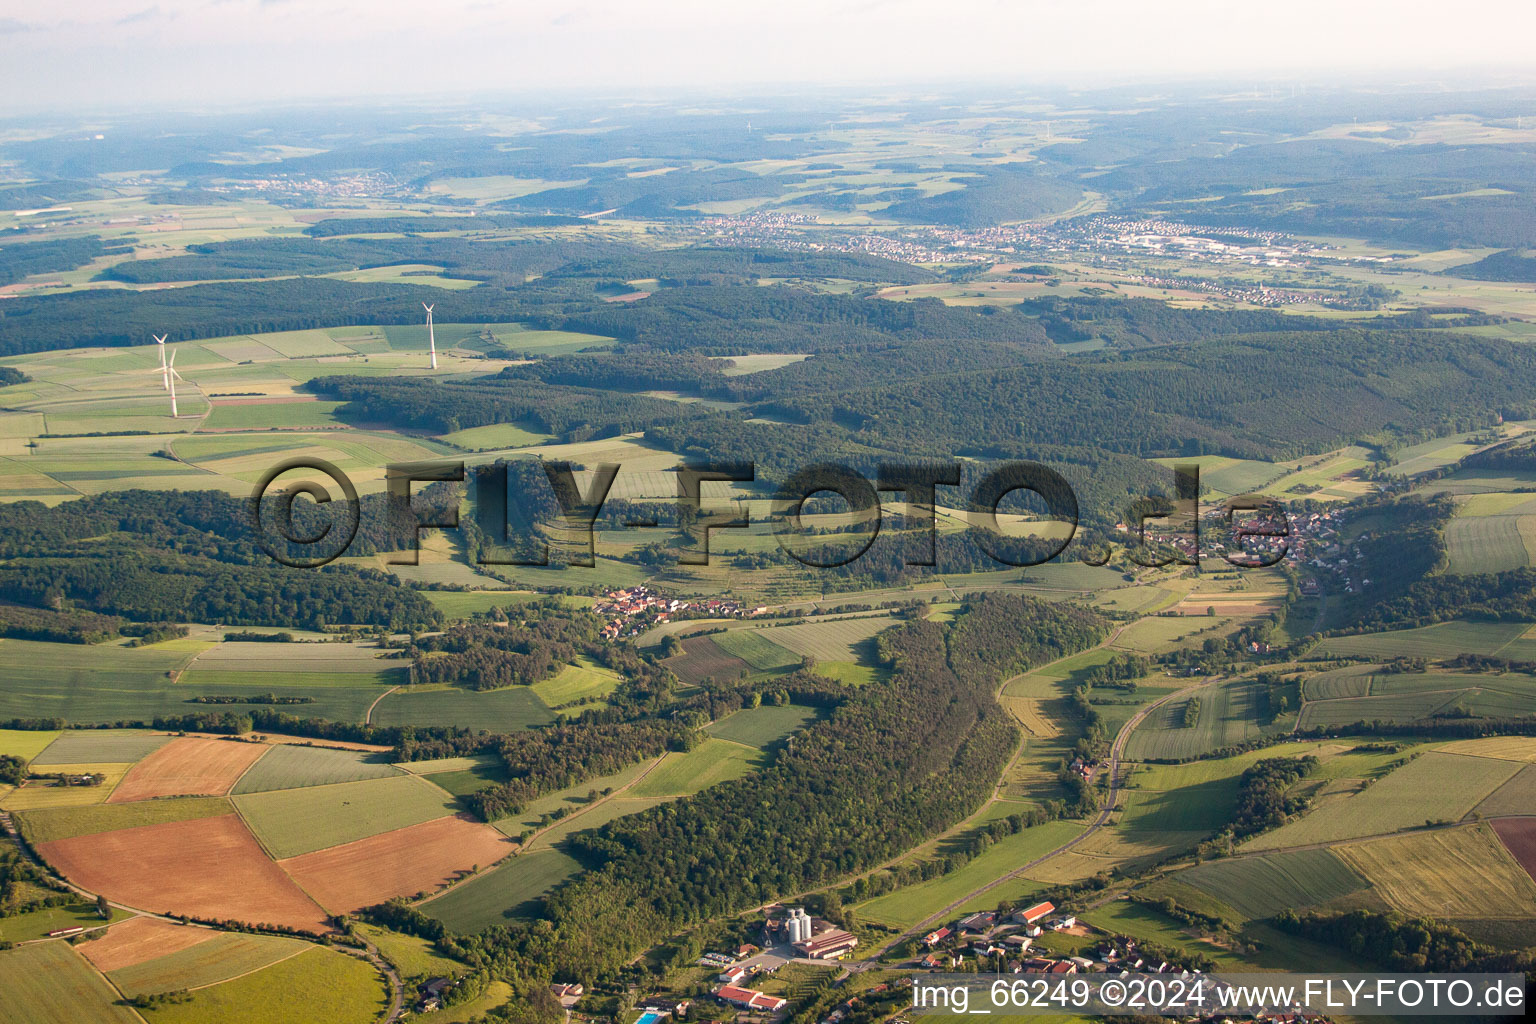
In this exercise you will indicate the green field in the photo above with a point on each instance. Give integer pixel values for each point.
(460, 604)
(601, 814)
(294, 821)
(708, 764)
(316, 985)
(1228, 715)
(1403, 708)
(575, 682)
(35, 924)
(826, 641)
(508, 891)
(1354, 681)
(470, 780)
(1263, 886)
(103, 746)
(1442, 640)
(413, 957)
(1196, 806)
(48, 824)
(1486, 544)
(1434, 787)
(497, 435)
(225, 956)
(266, 415)
(852, 673)
(754, 648)
(569, 799)
(25, 744)
(906, 907)
(506, 710)
(446, 764)
(1158, 633)
(292, 766)
(49, 983)
(1412, 696)
(762, 726)
(92, 684)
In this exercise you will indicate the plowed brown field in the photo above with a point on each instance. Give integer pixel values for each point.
(418, 858)
(207, 867)
(188, 767)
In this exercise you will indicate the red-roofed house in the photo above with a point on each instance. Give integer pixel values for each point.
(748, 999)
(1029, 915)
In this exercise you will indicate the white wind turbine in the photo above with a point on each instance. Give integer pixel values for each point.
(431, 338)
(171, 377)
(165, 371)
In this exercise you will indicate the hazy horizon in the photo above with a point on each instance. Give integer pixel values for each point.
(105, 54)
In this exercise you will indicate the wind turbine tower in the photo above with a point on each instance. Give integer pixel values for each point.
(431, 338)
(165, 371)
(170, 383)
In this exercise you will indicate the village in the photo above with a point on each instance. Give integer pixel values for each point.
(981, 943)
(636, 609)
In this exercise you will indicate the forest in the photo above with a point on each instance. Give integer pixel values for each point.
(519, 653)
(885, 769)
(156, 556)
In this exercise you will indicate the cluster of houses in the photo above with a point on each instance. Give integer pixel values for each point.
(1011, 940)
(1312, 540)
(633, 610)
(986, 934)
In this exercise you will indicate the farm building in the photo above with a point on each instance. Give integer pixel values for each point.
(979, 922)
(828, 945)
(748, 999)
(1029, 915)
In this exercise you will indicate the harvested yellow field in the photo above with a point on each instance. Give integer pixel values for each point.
(1463, 873)
(39, 794)
(1027, 711)
(1505, 748)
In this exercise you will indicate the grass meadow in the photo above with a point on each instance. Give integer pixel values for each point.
(296, 821)
(508, 891)
(49, 983)
(317, 984)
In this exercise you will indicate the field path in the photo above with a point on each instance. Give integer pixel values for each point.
(368, 716)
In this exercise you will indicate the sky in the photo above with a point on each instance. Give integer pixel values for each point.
(88, 54)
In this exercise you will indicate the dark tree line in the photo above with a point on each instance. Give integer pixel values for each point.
(159, 556)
